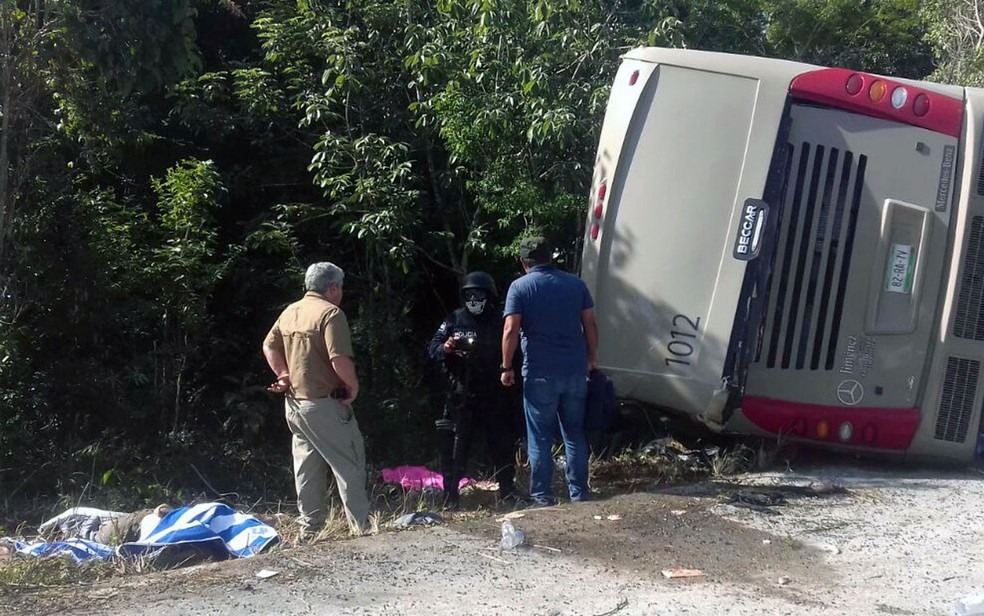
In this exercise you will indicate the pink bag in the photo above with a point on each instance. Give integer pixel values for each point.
(418, 478)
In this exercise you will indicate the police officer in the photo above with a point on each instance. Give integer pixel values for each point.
(467, 346)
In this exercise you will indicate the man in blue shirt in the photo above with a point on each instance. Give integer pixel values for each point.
(555, 313)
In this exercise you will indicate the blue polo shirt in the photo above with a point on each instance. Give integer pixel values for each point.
(550, 303)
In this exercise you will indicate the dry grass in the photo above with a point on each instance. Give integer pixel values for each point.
(674, 464)
(640, 467)
(734, 461)
(39, 573)
(389, 503)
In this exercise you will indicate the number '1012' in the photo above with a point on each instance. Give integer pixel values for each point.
(683, 334)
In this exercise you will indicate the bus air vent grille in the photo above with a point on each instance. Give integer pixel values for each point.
(980, 171)
(969, 319)
(819, 217)
(957, 400)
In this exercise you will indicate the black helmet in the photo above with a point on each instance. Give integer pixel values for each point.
(479, 280)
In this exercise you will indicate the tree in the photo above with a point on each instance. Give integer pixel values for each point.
(880, 36)
(956, 31)
(25, 29)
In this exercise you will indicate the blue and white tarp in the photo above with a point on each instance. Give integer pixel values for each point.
(213, 527)
(78, 549)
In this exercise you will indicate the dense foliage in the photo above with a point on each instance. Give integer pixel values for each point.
(169, 167)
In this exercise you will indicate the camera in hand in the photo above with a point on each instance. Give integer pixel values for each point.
(464, 345)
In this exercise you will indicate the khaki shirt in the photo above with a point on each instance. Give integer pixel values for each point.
(311, 332)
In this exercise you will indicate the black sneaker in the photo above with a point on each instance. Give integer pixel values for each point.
(540, 502)
(512, 501)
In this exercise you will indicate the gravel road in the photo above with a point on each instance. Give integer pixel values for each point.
(897, 541)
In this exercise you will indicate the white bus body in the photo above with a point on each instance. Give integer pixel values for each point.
(779, 248)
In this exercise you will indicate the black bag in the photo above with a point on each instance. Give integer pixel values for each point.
(601, 404)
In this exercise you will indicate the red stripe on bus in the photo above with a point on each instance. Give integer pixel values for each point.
(894, 428)
(828, 86)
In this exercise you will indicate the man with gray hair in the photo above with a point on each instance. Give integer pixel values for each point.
(309, 349)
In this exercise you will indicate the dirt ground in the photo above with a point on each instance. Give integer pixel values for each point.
(894, 541)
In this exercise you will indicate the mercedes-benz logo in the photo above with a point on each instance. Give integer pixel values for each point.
(850, 392)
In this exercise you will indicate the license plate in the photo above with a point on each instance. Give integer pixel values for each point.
(901, 260)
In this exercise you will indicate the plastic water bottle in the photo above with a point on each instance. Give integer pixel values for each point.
(511, 537)
(971, 605)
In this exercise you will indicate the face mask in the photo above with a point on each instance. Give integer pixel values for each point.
(475, 300)
(475, 306)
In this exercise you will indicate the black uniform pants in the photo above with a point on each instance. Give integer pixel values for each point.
(470, 416)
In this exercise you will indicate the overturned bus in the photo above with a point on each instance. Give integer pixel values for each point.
(776, 248)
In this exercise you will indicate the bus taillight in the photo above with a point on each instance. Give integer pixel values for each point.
(882, 98)
(876, 92)
(899, 96)
(920, 106)
(884, 428)
(599, 210)
(633, 78)
(854, 84)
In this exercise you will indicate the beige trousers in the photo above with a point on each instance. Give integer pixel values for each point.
(326, 434)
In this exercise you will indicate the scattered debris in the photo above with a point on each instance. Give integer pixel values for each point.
(672, 449)
(490, 557)
(425, 518)
(783, 581)
(757, 500)
(765, 498)
(613, 517)
(512, 515)
(264, 574)
(767, 542)
(547, 547)
(511, 536)
(682, 573)
(679, 511)
(829, 547)
(821, 487)
(481, 486)
(103, 593)
(624, 603)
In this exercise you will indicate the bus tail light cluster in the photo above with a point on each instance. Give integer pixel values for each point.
(881, 98)
(877, 428)
(599, 210)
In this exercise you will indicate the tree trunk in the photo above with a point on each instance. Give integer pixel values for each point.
(6, 198)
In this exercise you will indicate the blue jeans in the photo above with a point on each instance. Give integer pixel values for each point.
(548, 402)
